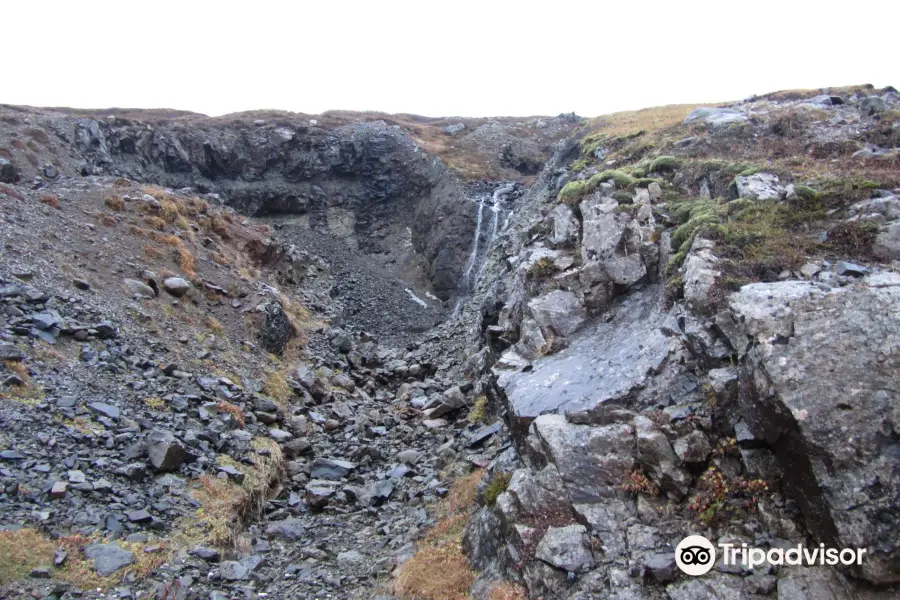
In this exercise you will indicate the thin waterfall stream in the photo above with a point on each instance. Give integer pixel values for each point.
(478, 255)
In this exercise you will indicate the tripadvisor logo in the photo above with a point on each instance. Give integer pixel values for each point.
(696, 555)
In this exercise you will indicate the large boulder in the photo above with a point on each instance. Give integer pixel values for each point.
(887, 244)
(565, 226)
(8, 171)
(609, 359)
(820, 388)
(760, 186)
(700, 275)
(558, 312)
(716, 117)
(278, 330)
(602, 227)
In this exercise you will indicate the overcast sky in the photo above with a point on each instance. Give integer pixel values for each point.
(460, 57)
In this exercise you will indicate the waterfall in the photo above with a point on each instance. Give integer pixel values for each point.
(473, 257)
(478, 256)
(496, 206)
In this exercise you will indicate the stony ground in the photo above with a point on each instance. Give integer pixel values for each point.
(177, 414)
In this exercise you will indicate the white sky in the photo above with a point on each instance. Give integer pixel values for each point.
(462, 57)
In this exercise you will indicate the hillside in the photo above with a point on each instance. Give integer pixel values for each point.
(359, 355)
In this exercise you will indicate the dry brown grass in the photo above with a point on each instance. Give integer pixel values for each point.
(225, 506)
(646, 119)
(461, 497)
(439, 570)
(155, 222)
(109, 221)
(186, 262)
(235, 411)
(116, 203)
(435, 573)
(277, 386)
(21, 551)
(219, 226)
(215, 326)
(50, 200)
(153, 252)
(507, 591)
(27, 392)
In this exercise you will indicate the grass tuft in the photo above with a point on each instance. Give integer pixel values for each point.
(21, 551)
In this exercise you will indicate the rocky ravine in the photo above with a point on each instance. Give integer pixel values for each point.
(702, 340)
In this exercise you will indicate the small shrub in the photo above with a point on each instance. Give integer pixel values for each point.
(714, 501)
(116, 203)
(478, 414)
(156, 403)
(168, 210)
(542, 269)
(507, 591)
(636, 482)
(155, 223)
(219, 226)
(854, 238)
(235, 411)
(497, 485)
(186, 261)
(579, 165)
(806, 193)
(215, 325)
(153, 252)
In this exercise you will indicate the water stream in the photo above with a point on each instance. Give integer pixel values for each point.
(478, 256)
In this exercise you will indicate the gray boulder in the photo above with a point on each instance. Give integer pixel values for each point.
(716, 117)
(566, 548)
(887, 244)
(559, 312)
(139, 288)
(565, 226)
(8, 171)
(176, 286)
(291, 529)
(872, 105)
(700, 275)
(277, 331)
(108, 558)
(820, 390)
(331, 470)
(164, 451)
(759, 186)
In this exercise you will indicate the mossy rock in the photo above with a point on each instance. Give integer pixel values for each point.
(639, 172)
(623, 197)
(806, 193)
(579, 165)
(643, 182)
(573, 192)
(622, 180)
(664, 163)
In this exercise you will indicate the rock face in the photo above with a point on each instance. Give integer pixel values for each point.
(627, 349)
(826, 402)
(368, 182)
